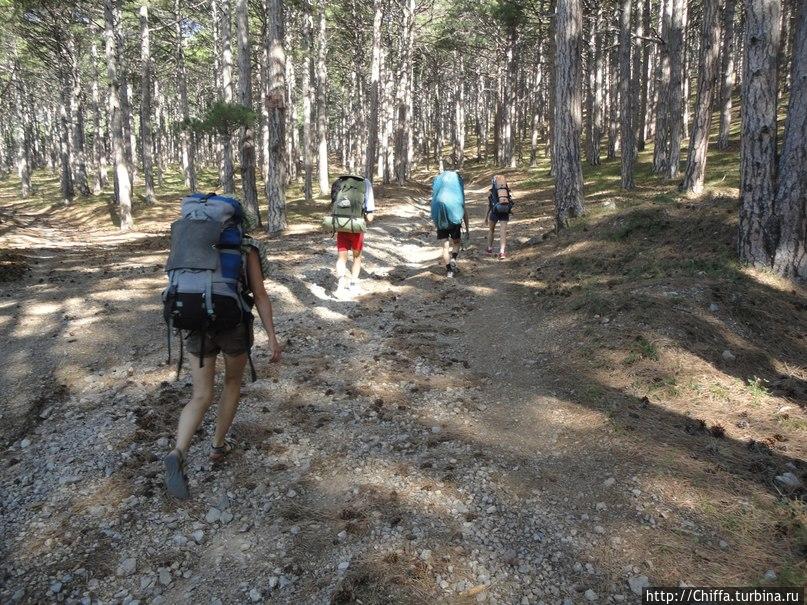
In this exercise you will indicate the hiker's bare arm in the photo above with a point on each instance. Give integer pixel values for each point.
(262, 302)
(369, 217)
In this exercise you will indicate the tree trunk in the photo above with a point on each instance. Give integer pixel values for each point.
(123, 187)
(186, 137)
(662, 138)
(375, 77)
(459, 114)
(790, 258)
(322, 110)
(644, 76)
(76, 117)
(245, 99)
(146, 141)
(159, 113)
(307, 76)
(727, 74)
(125, 94)
(613, 101)
(699, 137)
(590, 83)
(757, 240)
(276, 73)
(101, 178)
(627, 140)
(226, 58)
(22, 139)
(65, 142)
(566, 149)
(677, 101)
(403, 136)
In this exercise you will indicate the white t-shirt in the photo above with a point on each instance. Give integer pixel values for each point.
(369, 198)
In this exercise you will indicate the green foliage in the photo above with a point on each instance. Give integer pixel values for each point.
(220, 119)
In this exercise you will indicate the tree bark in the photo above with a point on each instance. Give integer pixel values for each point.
(677, 101)
(613, 101)
(644, 76)
(757, 238)
(375, 92)
(403, 136)
(123, 187)
(566, 149)
(22, 140)
(727, 74)
(627, 140)
(707, 74)
(245, 99)
(790, 258)
(225, 51)
(101, 177)
(662, 138)
(186, 137)
(275, 177)
(322, 109)
(125, 94)
(307, 76)
(146, 140)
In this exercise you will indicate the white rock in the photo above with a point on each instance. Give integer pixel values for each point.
(789, 480)
(198, 536)
(436, 429)
(226, 516)
(342, 536)
(636, 584)
(25, 443)
(590, 595)
(255, 595)
(272, 582)
(162, 442)
(714, 307)
(609, 482)
(56, 587)
(213, 515)
(165, 576)
(126, 568)
(769, 576)
(728, 355)
(343, 565)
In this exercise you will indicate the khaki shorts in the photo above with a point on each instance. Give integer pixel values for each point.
(233, 342)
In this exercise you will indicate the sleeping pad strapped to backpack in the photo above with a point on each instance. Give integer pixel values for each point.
(448, 200)
(206, 269)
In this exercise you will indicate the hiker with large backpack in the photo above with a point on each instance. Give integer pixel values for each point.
(352, 207)
(448, 214)
(215, 277)
(500, 205)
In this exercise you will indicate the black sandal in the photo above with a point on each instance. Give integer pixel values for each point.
(219, 452)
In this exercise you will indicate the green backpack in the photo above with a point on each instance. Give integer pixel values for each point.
(347, 205)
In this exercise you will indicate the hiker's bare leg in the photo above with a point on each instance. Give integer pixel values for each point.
(341, 268)
(355, 270)
(455, 246)
(194, 411)
(228, 404)
(446, 256)
(503, 237)
(490, 234)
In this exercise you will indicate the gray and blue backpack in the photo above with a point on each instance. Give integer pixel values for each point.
(206, 270)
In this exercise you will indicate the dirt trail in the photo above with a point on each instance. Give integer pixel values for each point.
(409, 448)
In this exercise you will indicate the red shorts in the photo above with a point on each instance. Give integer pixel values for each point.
(349, 241)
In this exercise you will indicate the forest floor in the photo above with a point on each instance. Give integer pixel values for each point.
(617, 406)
